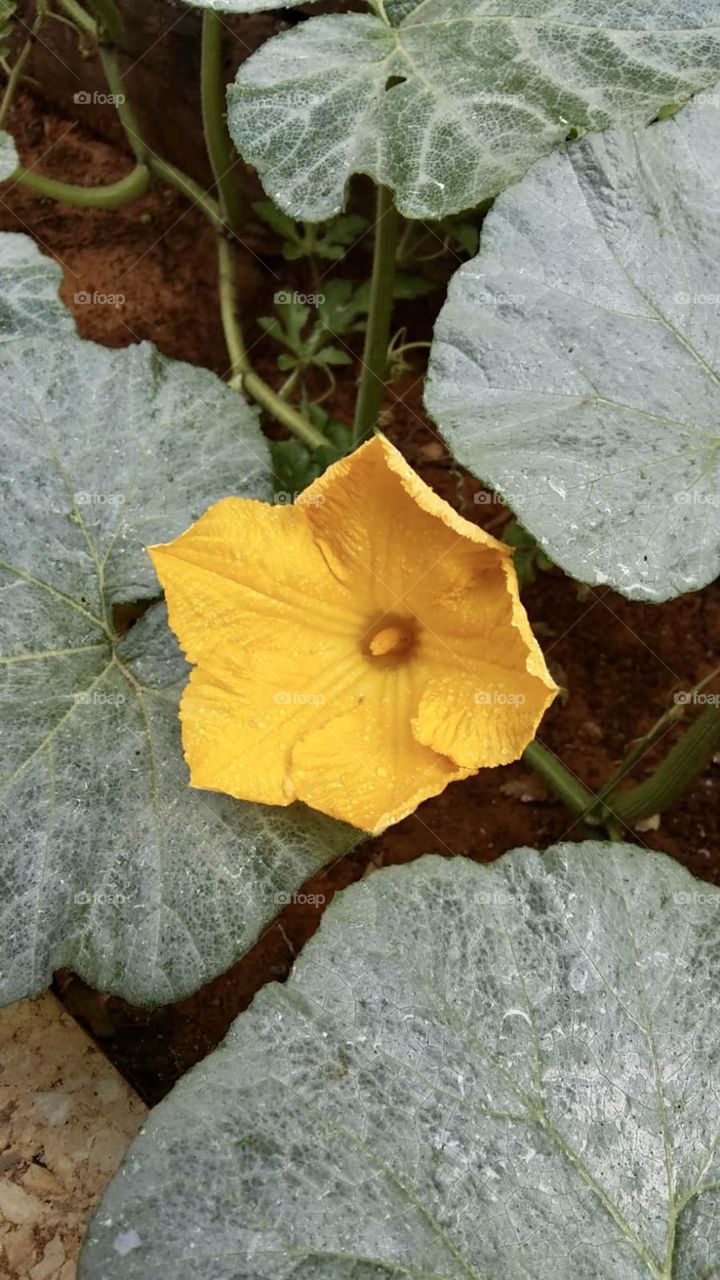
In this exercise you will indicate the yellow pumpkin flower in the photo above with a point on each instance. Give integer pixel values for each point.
(358, 650)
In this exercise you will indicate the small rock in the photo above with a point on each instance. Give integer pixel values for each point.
(17, 1206)
(19, 1248)
(434, 451)
(528, 789)
(52, 1260)
(648, 824)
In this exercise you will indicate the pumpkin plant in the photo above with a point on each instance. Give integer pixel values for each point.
(473, 1071)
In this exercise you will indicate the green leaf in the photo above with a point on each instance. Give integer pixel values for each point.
(296, 466)
(473, 1072)
(276, 219)
(109, 862)
(331, 355)
(333, 239)
(9, 159)
(456, 99)
(244, 6)
(575, 365)
(7, 11)
(29, 283)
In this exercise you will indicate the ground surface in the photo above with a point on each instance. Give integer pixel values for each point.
(619, 663)
(66, 1119)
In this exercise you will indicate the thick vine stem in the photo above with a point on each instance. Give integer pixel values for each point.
(129, 188)
(377, 337)
(671, 779)
(217, 140)
(189, 188)
(579, 800)
(243, 377)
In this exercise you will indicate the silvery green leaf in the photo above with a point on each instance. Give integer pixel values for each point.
(245, 6)
(29, 284)
(8, 156)
(449, 101)
(575, 365)
(473, 1072)
(109, 862)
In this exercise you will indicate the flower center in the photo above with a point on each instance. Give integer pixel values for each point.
(391, 641)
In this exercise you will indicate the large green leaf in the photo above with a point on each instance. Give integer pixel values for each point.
(448, 101)
(576, 363)
(8, 156)
(244, 6)
(109, 862)
(473, 1072)
(29, 283)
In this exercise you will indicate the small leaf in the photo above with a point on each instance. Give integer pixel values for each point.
(575, 365)
(473, 1072)
(296, 466)
(331, 355)
(447, 102)
(275, 218)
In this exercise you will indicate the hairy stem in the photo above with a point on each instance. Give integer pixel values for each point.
(243, 376)
(116, 85)
(372, 378)
(18, 68)
(677, 772)
(579, 800)
(129, 188)
(80, 17)
(221, 152)
(638, 749)
(189, 188)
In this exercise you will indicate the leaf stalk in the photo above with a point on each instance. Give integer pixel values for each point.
(377, 337)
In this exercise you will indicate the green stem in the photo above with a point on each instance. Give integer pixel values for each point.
(372, 379)
(80, 17)
(109, 22)
(570, 789)
(129, 188)
(643, 744)
(220, 150)
(243, 376)
(677, 772)
(189, 188)
(18, 68)
(116, 85)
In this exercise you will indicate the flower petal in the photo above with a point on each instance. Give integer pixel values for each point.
(245, 707)
(365, 766)
(485, 696)
(242, 564)
(375, 518)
